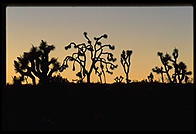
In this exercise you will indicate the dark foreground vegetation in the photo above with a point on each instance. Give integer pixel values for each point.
(77, 107)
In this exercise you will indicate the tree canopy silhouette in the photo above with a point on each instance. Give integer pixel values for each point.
(36, 63)
(101, 60)
(180, 69)
(126, 62)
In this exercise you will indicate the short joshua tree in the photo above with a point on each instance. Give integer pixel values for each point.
(180, 69)
(101, 60)
(126, 62)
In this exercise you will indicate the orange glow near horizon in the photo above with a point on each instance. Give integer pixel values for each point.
(144, 30)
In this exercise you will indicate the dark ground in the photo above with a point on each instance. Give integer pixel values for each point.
(77, 107)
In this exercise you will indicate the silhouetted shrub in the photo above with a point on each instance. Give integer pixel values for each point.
(150, 77)
(118, 79)
(58, 79)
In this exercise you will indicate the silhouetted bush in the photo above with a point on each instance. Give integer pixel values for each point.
(118, 79)
(150, 77)
(58, 79)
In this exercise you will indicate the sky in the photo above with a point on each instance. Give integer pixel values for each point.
(144, 30)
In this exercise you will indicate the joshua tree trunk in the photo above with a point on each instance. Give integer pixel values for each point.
(162, 77)
(44, 79)
(127, 77)
(170, 81)
(100, 79)
(90, 71)
(88, 77)
(33, 80)
(181, 79)
(104, 77)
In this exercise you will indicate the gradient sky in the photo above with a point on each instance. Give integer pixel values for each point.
(145, 30)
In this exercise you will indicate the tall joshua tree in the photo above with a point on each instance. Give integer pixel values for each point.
(101, 60)
(126, 62)
(180, 69)
(36, 63)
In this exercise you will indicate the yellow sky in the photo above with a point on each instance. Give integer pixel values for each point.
(145, 30)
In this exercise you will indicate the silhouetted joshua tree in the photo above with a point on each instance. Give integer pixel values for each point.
(180, 72)
(36, 63)
(165, 61)
(101, 60)
(150, 77)
(126, 62)
(118, 79)
(175, 56)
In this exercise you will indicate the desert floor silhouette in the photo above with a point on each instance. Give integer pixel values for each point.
(77, 107)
